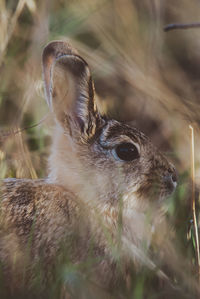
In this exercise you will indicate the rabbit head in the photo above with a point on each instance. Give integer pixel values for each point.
(101, 160)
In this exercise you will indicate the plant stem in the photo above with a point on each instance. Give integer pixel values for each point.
(193, 201)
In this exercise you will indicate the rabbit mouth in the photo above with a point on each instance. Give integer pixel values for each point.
(153, 191)
(167, 190)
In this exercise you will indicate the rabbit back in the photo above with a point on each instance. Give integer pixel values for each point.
(40, 224)
(35, 206)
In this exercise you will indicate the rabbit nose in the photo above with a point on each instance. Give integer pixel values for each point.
(174, 177)
(170, 180)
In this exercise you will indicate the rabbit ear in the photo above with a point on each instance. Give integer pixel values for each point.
(69, 89)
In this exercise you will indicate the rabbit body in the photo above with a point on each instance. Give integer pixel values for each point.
(104, 177)
(37, 219)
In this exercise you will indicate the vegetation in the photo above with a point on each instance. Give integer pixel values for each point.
(142, 74)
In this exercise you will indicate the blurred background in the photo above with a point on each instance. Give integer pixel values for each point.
(142, 74)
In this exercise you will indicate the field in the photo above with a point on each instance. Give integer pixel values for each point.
(142, 74)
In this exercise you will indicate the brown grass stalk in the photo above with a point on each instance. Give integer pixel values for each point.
(11, 27)
(193, 201)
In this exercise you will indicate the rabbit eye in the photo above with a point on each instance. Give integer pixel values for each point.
(126, 152)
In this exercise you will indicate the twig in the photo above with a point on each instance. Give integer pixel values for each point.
(181, 26)
(10, 133)
(193, 201)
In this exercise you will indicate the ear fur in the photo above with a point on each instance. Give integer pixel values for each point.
(69, 89)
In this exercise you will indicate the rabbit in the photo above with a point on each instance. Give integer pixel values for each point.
(104, 177)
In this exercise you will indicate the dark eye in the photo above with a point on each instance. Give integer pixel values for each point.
(126, 152)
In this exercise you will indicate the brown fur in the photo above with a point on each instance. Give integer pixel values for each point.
(89, 193)
(36, 219)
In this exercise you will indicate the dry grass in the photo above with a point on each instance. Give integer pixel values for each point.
(141, 73)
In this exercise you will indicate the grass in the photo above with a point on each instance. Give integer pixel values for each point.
(141, 74)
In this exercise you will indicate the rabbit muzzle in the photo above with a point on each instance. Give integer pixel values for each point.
(170, 181)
